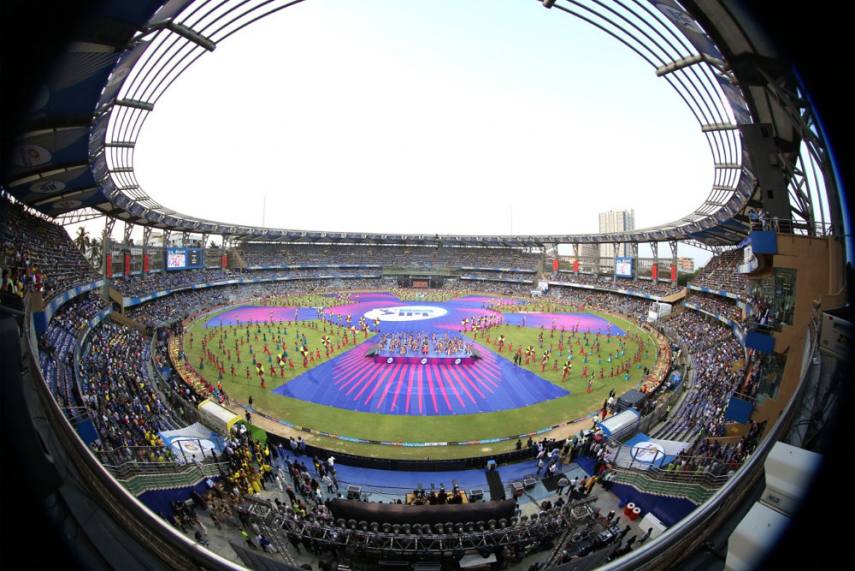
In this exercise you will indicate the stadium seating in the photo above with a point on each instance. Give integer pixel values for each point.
(40, 255)
(414, 257)
(717, 305)
(718, 361)
(720, 274)
(609, 282)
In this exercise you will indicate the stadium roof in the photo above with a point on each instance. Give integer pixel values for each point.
(77, 147)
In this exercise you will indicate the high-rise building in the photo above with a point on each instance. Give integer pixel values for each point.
(586, 251)
(616, 221)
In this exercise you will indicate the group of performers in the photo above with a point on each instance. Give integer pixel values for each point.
(346, 320)
(235, 344)
(585, 346)
(483, 324)
(407, 343)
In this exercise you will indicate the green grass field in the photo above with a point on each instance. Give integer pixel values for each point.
(397, 428)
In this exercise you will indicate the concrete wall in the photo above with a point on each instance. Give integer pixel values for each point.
(820, 285)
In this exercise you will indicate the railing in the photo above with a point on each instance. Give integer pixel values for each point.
(141, 477)
(131, 468)
(677, 475)
(697, 491)
(813, 229)
(117, 456)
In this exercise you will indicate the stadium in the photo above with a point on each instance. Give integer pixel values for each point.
(217, 395)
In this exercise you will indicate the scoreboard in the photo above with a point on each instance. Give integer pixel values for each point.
(623, 267)
(184, 258)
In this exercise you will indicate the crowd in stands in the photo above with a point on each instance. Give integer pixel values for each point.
(601, 280)
(718, 360)
(633, 307)
(717, 305)
(720, 274)
(171, 308)
(37, 255)
(142, 284)
(387, 256)
(73, 315)
(503, 288)
(648, 286)
(177, 306)
(528, 278)
(716, 458)
(610, 282)
(173, 385)
(124, 406)
(58, 342)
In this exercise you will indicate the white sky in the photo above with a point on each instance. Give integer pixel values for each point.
(448, 116)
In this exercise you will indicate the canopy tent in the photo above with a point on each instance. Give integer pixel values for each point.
(620, 425)
(194, 442)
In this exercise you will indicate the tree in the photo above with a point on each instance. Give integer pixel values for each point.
(683, 279)
(95, 252)
(82, 239)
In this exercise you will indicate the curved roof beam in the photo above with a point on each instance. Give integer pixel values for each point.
(661, 33)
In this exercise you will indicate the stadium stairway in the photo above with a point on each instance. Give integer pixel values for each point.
(672, 430)
(675, 297)
(695, 488)
(140, 478)
(122, 319)
(236, 260)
